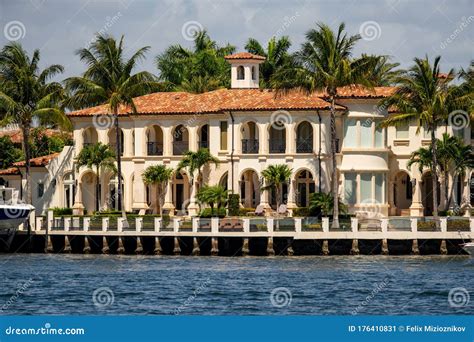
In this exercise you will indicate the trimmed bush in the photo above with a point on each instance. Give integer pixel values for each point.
(301, 212)
(246, 211)
(459, 224)
(234, 204)
(207, 213)
(62, 211)
(313, 226)
(426, 225)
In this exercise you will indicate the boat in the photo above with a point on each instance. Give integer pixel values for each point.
(469, 247)
(12, 212)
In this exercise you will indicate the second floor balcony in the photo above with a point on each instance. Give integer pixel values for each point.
(277, 146)
(250, 146)
(180, 147)
(155, 149)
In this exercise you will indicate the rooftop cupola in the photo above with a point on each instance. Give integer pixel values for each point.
(244, 70)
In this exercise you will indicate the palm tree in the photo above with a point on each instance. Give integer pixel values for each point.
(275, 176)
(324, 202)
(195, 161)
(325, 62)
(446, 149)
(425, 96)
(109, 80)
(276, 56)
(463, 160)
(383, 73)
(26, 94)
(199, 70)
(213, 195)
(158, 175)
(99, 157)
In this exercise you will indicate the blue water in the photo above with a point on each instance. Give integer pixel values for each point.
(143, 285)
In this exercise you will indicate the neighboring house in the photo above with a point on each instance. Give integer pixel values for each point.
(51, 186)
(249, 128)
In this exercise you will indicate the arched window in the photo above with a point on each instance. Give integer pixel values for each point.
(240, 72)
(304, 138)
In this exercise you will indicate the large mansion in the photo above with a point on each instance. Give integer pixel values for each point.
(248, 129)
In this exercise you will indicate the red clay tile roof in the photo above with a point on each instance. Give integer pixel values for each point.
(10, 172)
(360, 92)
(216, 101)
(244, 55)
(39, 161)
(16, 135)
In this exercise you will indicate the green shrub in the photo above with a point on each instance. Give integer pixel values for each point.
(261, 227)
(234, 204)
(313, 226)
(62, 211)
(246, 211)
(458, 224)
(426, 225)
(206, 213)
(301, 212)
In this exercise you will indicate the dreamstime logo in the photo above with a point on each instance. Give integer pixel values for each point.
(103, 121)
(370, 30)
(281, 297)
(279, 118)
(458, 119)
(371, 208)
(14, 30)
(17, 294)
(109, 22)
(377, 288)
(190, 29)
(461, 27)
(458, 297)
(103, 297)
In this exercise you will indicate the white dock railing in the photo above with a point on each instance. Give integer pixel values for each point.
(386, 228)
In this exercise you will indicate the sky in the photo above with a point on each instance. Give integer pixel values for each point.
(403, 29)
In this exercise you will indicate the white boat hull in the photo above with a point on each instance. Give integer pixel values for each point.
(11, 216)
(469, 248)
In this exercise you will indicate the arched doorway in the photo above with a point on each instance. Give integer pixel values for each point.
(249, 134)
(402, 193)
(112, 193)
(180, 140)
(427, 193)
(277, 141)
(69, 190)
(154, 138)
(224, 181)
(304, 138)
(305, 186)
(204, 136)
(181, 191)
(250, 189)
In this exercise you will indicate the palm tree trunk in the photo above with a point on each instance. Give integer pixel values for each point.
(97, 190)
(27, 151)
(118, 150)
(335, 184)
(434, 168)
(446, 190)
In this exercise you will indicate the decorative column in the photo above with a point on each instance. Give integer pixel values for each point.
(214, 246)
(416, 208)
(167, 141)
(290, 138)
(127, 142)
(467, 196)
(355, 247)
(385, 247)
(270, 249)
(120, 248)
(158, 250)
(291, 195)
(168, 205)
(139, 192)
(196, 249)
(245, 247)
(87, 248)
(139, 249)
(414, 247)
(263, 138)
(193, 207)
(177, 248)
(78, 207)
(193, 138)
(105, 245)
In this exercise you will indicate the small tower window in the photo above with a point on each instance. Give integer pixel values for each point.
(254, 74)
(240, 72)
